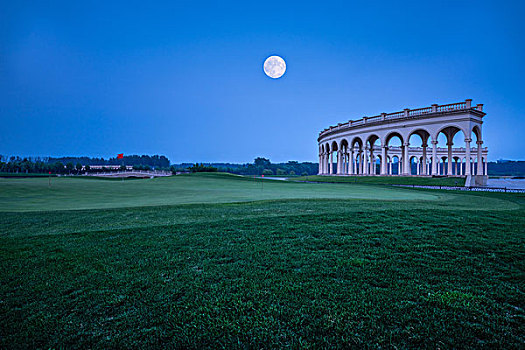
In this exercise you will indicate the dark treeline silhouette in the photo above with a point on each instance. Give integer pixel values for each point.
(258, 167)
(154, 161)
(75, 165)
(506, 167)
(201, 168)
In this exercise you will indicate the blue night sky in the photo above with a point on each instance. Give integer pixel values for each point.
(185, 79)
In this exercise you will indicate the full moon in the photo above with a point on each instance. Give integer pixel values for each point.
(274, 67)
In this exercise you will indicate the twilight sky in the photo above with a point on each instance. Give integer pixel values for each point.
(185, 78)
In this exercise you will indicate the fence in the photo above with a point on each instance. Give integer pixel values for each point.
(473, 188)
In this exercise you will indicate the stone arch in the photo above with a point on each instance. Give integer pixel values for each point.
(343, 144)
(358, 140)
(395, 166)
(422, 133)
(391, 134)
(476, 129)
(449, 127)
(371, 140)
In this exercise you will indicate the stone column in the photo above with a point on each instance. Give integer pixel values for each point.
(418, 165)
(320, 163)
(390, 166)
(461, 167)
(467, 155)
(425, 145)
(480, 162)
(434, 157)
(383, 160)
(361, 162)
(486, 166)
(351, 170)
(339, 161)
(449, 158)
(406, 160)
(337, 158)
(331, 161)
(342, 162)
(370, 162)
(365, 161)
(348, 161)
(343, 171)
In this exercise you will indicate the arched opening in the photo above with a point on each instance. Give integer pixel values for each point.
(414, 165)
(356, 155)
(326, 162)
(479, 168)
(444, 152)
(373, 145)
(394, 165)
(333, 149)
(418, 141)
(394, 146)
(343, 162)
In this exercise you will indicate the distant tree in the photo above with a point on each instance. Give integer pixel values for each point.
(304, 173)
(78, 167)
(201, 168)
(292, 172)
(261, 162)
(88, 168)
(122, 167)
(267, 172)
(58, 168)
(280, 172)
(69, 167)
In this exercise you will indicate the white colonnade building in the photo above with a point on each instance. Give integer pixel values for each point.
(361, 147)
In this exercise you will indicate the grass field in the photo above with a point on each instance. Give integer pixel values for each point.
(7, 175)
(386, 180)
(90, 193)
(214, 261)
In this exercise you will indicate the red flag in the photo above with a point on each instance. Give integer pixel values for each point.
(120, 156)
(262, 175)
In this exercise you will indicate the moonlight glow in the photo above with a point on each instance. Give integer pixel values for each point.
(274, 67)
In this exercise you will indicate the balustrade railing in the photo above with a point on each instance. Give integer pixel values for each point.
(473, 150)
(452, 107)
(419, 111)
(407, 113)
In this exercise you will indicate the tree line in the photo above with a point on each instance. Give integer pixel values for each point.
(78, 165)
(260, 166)
(156, 161)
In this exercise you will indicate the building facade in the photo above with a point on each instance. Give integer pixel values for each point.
(361, 147)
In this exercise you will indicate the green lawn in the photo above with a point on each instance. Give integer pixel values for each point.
(386, 180)
(32, 194)
(293, 265)
(3, 174)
